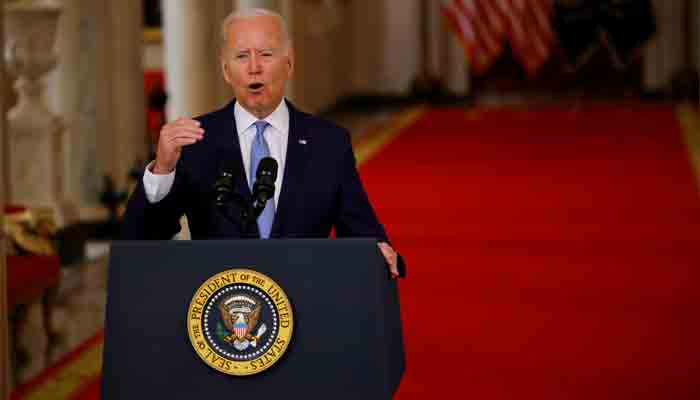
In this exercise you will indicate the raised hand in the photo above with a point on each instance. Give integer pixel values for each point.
(173, 136)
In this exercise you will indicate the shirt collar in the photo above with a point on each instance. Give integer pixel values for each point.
(279, 119)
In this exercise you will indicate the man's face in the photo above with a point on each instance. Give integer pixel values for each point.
(257, 64)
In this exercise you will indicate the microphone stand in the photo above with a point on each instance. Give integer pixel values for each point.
(246, 217)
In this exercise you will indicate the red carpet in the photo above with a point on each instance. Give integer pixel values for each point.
(552, 253)
(74, 372)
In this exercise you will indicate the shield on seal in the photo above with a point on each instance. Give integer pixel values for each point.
(240, 314)
(240, 328)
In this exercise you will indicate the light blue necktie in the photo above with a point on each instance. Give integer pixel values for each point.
(258, 151)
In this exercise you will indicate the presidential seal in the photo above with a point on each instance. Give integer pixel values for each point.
(240, 322)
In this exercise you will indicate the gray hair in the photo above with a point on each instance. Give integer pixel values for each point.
(247, 13)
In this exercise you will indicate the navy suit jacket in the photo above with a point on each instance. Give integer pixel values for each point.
(321, 188)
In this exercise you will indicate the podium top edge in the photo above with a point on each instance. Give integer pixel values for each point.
(298, 241)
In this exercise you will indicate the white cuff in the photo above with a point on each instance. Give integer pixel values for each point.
(157, 186)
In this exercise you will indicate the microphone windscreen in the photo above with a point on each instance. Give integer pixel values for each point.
(267, 167)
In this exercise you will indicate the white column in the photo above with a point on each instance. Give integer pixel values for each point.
(71, 93)
(130, 139)
(192, 71)
(120, 100)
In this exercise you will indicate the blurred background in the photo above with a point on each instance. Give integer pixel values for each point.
(530, 97)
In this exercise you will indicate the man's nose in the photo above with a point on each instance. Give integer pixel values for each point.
(254, 65)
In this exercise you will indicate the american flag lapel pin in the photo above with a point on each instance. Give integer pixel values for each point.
(302, 141)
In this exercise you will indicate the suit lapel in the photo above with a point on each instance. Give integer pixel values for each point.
(230, 148)
(298, 150)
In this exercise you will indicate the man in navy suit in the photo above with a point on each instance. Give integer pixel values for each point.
(318, 187)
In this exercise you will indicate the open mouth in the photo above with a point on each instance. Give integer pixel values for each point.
(255, 86)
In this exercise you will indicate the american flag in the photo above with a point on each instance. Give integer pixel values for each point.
(484, 26)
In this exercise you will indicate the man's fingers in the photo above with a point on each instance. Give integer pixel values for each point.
(185, 141)
(394, 270)
(391, 258)
(188, 127)
(181, 125)
(182, 129)
(187, 122)
(184, 135)
(173, 136)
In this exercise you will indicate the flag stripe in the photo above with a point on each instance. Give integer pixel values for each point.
(484, 25)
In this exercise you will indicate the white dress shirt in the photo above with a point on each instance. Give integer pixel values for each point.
(276, 135)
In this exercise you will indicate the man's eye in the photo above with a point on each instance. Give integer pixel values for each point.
(267, 54)
(241, 56)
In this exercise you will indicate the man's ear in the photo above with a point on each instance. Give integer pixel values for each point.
(225, 71)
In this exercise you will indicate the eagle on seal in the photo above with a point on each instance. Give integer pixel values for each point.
(240, 315)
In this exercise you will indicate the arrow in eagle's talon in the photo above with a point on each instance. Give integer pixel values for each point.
(261, 331)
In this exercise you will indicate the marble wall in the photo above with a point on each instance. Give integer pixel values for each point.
(72, 94)
(121, 120)
(97, 89)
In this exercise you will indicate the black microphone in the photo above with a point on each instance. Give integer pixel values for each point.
(264, 187)
(223, 187)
